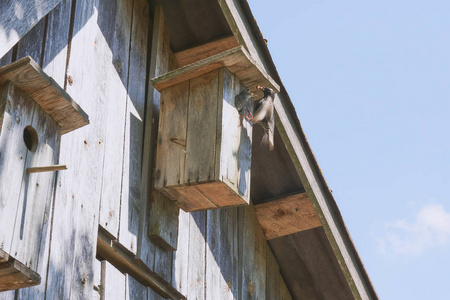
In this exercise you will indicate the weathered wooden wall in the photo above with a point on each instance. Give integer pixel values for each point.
(104, 53)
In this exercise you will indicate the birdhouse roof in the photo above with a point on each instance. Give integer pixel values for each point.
(26, 74)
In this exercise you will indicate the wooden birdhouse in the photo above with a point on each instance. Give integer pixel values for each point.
(204, 146)
(34, 112)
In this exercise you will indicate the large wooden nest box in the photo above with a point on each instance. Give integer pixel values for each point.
(34, 112)
(204, 146)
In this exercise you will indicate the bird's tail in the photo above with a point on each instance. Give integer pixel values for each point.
(267, 140)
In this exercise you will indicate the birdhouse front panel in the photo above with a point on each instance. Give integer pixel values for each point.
(29, 137)
(204, 144)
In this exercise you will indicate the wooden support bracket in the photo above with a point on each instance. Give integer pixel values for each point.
(287, 215)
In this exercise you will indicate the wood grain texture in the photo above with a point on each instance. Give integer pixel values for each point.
(192, 55)
(287, 215)
(18, 17)
(201, 134)
(28, 76)
(172, 134)
(237, 60)
(131, 201)
(134, 289)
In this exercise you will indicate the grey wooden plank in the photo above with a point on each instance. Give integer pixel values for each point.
(181, 256)
(8, 295)
(132, 202)
(113, 282)
(98, 289)
(16, 113)
(32, 43)
(196, 256)
(56, 42)
(254, 258)
(236, 139)
(172, 131)
(18, 17)
(221, 254)
(114, 44)
(77, 195)
(201, 128)
(32, 230)
(134, 290)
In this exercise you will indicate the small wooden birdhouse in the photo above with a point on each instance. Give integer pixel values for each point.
(34, 112)
(204, 146)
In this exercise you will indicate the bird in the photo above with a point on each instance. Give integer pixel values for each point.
(244, 100)
(263, 115)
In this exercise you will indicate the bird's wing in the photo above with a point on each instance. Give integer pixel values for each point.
(262, 111)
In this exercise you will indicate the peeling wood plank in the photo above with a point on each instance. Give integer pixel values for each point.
(18, 17)
(192, 55)
(287, 215)
(237, 60)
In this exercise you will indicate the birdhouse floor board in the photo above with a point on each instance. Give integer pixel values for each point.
(236, 60)
(204, 196)
(15, 275)
(28, 76)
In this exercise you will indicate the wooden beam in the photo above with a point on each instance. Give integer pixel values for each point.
(15, 275)
(236, 60)
(29, 77)
(192, 55)
(287, 215)
(125, 262)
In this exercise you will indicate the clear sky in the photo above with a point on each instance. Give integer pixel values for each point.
(370, 81)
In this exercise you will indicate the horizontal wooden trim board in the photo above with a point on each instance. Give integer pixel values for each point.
(125, 263)
(236, 60)
(15, 275)
(189, 56)
(287, 215)
(29, 77)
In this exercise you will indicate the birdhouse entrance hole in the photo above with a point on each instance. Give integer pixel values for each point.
(30, 138)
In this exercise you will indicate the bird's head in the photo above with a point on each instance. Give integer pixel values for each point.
(267, 91)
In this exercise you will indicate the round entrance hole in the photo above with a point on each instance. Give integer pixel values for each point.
(30, 138)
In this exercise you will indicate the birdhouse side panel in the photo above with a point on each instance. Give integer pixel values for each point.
(201, 129)
(236, 140)
(31, 230)
(171, 151)
(17, 112)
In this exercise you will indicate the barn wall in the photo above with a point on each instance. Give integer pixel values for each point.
(103, 53)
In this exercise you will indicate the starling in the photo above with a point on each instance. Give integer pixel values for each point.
(264, 116)
(242, 102)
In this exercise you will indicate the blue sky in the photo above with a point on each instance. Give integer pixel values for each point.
(371, 85)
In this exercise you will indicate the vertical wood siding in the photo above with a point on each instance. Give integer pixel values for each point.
(104, 53)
